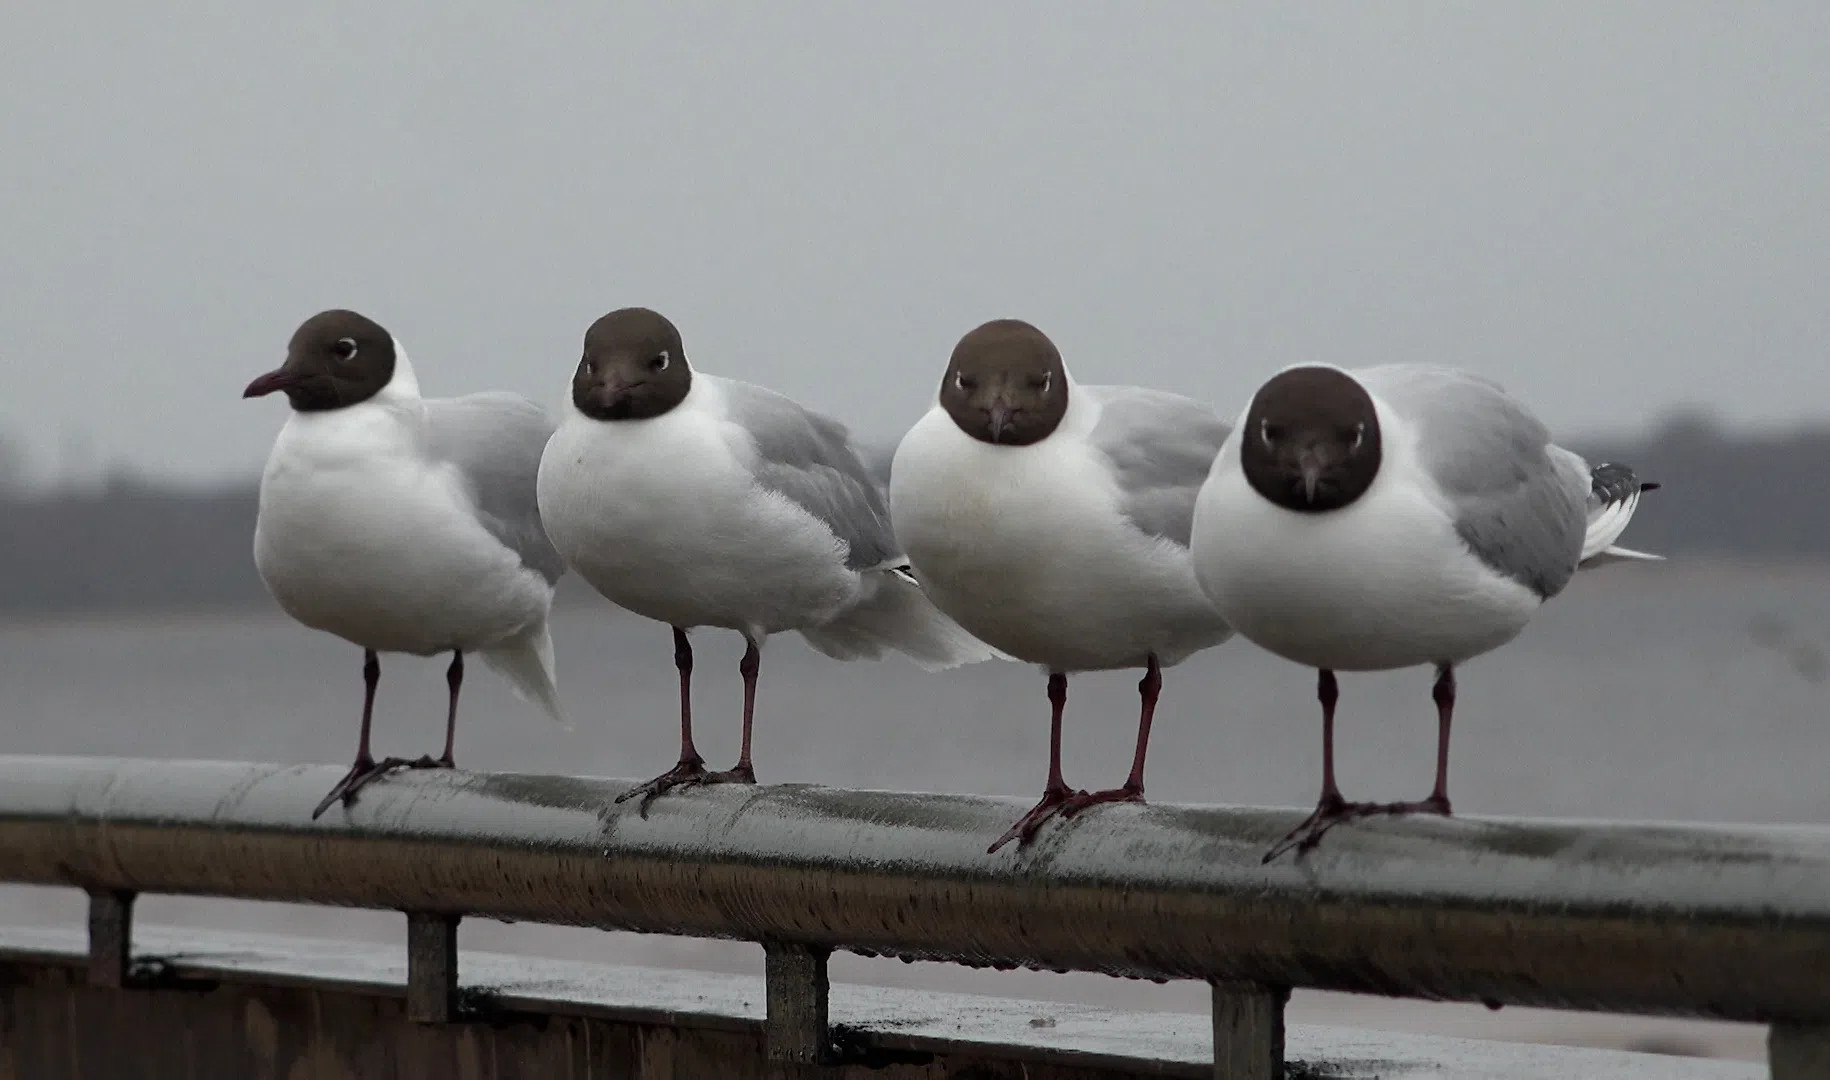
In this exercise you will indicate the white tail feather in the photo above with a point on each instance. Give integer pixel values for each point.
(896, 614)
(526, 662)
(1606, 523)
(1617, 554)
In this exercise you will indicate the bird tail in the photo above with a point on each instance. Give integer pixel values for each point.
(526, 662)
(1614, 492)
(1614, 554)
(894, 613)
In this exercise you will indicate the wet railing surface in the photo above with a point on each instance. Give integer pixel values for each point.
(1722, 922)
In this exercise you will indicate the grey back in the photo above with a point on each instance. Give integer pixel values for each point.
(809, 460)
(495, 441)
(1519, 507)
(1160, 447)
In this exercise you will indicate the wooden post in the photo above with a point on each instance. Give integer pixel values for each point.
(798, 994)
(110, 937)
(1249, 1031)
(432, 967)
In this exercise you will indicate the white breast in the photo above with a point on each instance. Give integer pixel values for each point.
(662, 517)
(1382, 583)
(1026, 549)
(360, 536)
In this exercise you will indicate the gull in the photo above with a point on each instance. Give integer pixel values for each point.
(1392, 517)
(1051, 520)
(405, 524)
(696, 500)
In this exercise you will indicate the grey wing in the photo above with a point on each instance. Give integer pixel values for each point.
(1160, 447)
(495, 441)
(877, 457)
(809, 459)
(1521, 504)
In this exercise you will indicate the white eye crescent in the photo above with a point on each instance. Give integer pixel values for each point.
(959, 380)
(661, 360)
(1359, 434)
(346, 348)
(1264, 432)
(1048, 380)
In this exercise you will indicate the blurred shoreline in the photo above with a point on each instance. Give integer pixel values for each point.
(133, 544)
(574, 595)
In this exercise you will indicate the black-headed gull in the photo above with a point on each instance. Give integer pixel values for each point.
(1393, 517)
(697, 501)
(1051, 520)
(405, 524)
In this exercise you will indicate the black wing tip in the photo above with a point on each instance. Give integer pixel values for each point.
(1614, 483)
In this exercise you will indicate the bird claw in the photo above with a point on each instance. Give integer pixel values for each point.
(738, 774)
(1054, 801)
(1329, 812)
(1081, 800)
(360, 775)
(1435, 804)
(686, 774)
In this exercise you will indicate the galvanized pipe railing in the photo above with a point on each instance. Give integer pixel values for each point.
(1698, 920)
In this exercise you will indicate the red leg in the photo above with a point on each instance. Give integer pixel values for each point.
(1148, 688)
(1056, 794)
(454, 681)
(1443, 693)
(748, 667)
(691, 768)
(683, 663)
(1328, 692)
(365, 769)
(1331, 809)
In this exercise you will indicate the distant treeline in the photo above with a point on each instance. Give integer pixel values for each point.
(138, 546)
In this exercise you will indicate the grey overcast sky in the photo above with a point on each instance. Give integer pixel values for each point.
(1617, 209)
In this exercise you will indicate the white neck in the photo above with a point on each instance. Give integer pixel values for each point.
(404, 386)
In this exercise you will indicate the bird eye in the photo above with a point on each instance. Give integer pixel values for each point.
(1269, 432)
(1359, 434)
(588, 366)
(964, 381)
(659, 363)
(1042, 382)
(346, 348)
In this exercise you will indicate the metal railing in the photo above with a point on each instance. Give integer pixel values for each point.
(1707, 921)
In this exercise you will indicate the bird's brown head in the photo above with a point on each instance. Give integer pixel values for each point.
(634, 367)
(1006, 384)
(1311, 442)
(335, 359)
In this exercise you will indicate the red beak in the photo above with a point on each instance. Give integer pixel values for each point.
(279, 379)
